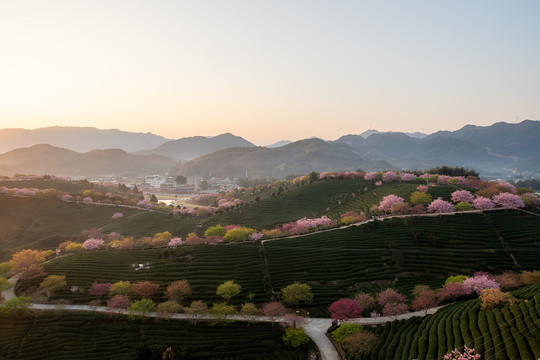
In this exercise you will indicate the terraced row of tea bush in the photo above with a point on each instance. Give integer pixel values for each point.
(94, 336)
(400, 253)
(29, 222)
(205, 267)
(512, 332)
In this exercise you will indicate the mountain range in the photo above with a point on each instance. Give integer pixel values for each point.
(497, 150)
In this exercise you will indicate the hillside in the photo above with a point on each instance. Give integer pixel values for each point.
(47, 159)
(296, 158)
(192, 147)
(80, 139)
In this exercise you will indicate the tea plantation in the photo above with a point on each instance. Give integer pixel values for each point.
(94, 336)
(512, 332)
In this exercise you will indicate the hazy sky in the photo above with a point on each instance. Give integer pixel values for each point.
(268, 70)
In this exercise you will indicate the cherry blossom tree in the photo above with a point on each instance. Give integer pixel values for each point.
(118, 302)
(394, 309)
(92, 244)
(440, 206)
(178, 290)
(483, 203)
(422, 188)
(462, 196)
(117, 215)
(175, 241)
(274, 310)
(144, 289)
(370, 176)
(88, 200)
(453, 291)
(344, 309)
(408, 177)
(390, 176)
(425, 300)
(389, 296)
(467, 354)
(478, 283)
(99, 289)
(530, 199)
(389, 201)
(508, 200)
(365, 300)
(508, 280)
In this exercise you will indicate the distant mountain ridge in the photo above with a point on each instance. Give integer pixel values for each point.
(192, 147)
(81, 139)
(298, 157)
(46, 159)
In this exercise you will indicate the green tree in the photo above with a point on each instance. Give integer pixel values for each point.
(53, 282)
(120, 288)
(168, 308)
(180, 180)
(5, 285)
(141, 308)
(295, 337)
(297, 293)
(5, 268)
(217, 230)
(16, 307)
(420, 197)
(153, 199)
(228, 289)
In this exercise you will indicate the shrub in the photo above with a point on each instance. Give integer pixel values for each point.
(5, 268)
(295, 337)
(238, 234)
(463, 206)
(5, 285)
(455, 279)
(346, 329)
(359, 343)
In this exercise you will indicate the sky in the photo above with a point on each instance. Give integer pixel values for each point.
(268, 70)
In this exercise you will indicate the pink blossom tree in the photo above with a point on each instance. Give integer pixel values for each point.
(92, 244)
(408, 177)
(88, 200)
(389, 296)
(175, 241)
(99, 289)
(483, 203)
(389, 201)
(422, 188)
(440, 206)
(118, 302)
(443, 179)
(390, 176)
(530, 199)
(462, 196)
(508, 200)
(453, 291)
(395, 309)
(66, 197)
(274, 310)
(370, 176)
(479, 283)
(425, 300)
(466, 354)
(365, 300)
(117, 215)
(344, 309)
